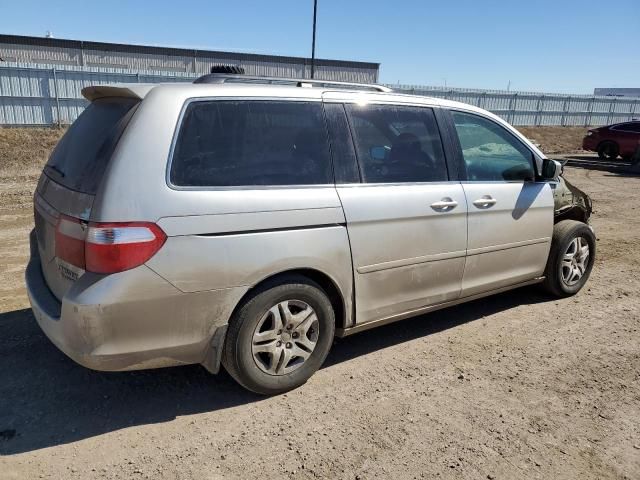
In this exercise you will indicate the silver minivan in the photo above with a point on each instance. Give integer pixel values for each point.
(247, 221)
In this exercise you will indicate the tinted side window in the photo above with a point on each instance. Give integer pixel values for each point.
(490, 152)
(397, 144)
(628, 127)
(238, 143)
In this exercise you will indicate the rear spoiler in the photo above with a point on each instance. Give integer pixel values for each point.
(134, 90)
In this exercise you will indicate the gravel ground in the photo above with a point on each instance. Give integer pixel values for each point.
(513, 386)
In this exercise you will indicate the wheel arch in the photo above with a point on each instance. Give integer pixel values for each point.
(574, 213)
(607, 140)
(341, 306)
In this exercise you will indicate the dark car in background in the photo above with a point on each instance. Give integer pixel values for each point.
(612, 141)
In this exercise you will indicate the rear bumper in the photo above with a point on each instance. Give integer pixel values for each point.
(46, 309)
(131, 320)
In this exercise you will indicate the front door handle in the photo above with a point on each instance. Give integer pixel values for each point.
(485, 202)
(444, 205)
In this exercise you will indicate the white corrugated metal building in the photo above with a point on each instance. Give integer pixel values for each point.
(41, 78)
(617, 92)
(59, 52)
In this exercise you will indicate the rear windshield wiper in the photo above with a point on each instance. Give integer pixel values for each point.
(56, 169)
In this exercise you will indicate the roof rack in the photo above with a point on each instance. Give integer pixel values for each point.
(298, 82)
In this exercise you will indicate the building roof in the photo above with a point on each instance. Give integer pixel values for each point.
(617, 92)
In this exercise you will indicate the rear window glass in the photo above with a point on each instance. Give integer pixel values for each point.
(82, 155)
(244, 143)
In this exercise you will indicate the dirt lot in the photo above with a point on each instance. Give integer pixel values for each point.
(556, 139)
(514, 386)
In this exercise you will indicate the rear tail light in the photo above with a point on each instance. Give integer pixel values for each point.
(115, 247)
(107, 247)
(70, 236)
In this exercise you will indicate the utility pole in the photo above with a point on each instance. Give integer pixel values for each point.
(313, 42)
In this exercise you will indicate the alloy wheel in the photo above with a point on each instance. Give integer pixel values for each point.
(285, 337)
(575, 261)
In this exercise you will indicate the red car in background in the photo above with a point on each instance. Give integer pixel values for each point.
(611, 141)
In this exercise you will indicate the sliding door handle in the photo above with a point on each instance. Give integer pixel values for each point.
(485, 202)
(444, 205)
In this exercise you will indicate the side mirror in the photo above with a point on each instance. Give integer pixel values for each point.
(551, 169)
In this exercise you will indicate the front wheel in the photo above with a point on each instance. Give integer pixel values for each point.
(608, 151)
(573, 250)
(279, 336)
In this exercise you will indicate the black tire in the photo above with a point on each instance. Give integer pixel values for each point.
(564, 233)
(608, 150)
(237, 356)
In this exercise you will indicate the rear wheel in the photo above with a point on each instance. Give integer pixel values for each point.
(279, 336)
(608, 150)
(571, 258)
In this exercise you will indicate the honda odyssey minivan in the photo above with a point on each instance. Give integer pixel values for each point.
(247, 221)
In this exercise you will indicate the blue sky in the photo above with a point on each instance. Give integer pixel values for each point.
(555, 46)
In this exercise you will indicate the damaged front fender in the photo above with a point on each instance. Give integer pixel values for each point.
(570, 202)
